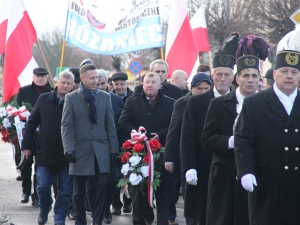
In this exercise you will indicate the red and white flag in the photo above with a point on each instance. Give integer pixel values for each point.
(199, 28)
(181, 48)
(17, 36)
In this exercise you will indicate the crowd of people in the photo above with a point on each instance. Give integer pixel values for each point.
(230, 136)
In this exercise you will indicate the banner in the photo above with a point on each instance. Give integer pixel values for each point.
(101, 27)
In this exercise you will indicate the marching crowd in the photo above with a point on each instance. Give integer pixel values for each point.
(231, 140)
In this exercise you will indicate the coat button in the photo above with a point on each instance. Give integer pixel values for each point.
(286, 167)
(296, 130)
(296, 168)
(297, 149)
(286, 148)
(286, 130)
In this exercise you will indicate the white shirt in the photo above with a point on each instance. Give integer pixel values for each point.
(217, 94)
(287, 101)
(240, 98)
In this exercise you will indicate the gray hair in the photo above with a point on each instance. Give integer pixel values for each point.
(66, 74)
(158, 61)
(102, 73)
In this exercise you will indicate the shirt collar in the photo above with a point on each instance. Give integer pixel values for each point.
(216, 93)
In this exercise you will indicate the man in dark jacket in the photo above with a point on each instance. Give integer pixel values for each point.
(200, 84)
(266, 146)
(30, 94)
(152, 110)
(160, 67)
(196, 161)
(46, 115)
(226, 197)
(119, 81)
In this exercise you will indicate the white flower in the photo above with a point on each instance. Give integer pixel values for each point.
(135, 179)
(2, 112)
(134, 160)
(125, 169)
(6, 122)
(145, 171)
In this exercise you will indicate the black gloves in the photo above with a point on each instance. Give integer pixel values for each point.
(70, 156)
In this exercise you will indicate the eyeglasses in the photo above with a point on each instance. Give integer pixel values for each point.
(160, 71)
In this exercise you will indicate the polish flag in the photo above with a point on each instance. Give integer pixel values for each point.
(181, 48)
(199, 29)
(17, 37)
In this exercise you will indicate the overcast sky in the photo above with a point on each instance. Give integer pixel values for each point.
(48, 14)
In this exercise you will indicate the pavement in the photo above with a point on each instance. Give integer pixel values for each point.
(12, 212)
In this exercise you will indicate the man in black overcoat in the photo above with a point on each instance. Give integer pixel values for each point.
(200, 84)
(226, 197)
(160, 67)
(30, 94)
(194, 159)
(152, 110)
(267, 146)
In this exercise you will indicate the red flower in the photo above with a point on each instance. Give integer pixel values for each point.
(138, 147)
(154, 145)
(146, 159)
(125, 157)
(127, 145)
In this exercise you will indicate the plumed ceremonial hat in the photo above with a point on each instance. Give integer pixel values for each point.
(119, 76)
(40, 71)
(200, 77)
(225, 56)
(76, 74)
(288, 58)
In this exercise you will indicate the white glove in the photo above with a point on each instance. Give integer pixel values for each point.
(231, 142)
(248, 181)
(191, 177)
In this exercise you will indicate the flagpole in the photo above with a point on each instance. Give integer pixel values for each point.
(210, 60)
(162, 54)
(51, 79)
(62, 55)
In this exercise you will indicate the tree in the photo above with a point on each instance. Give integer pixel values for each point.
(273, 20)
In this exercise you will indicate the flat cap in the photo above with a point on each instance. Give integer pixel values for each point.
(119, 76)
(40, 71)
(86, 61)
(76, 73)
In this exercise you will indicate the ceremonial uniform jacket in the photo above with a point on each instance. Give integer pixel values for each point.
(193, 156)
(267, 142)
(226, 197)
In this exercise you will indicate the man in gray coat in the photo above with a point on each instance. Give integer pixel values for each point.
(90, 140)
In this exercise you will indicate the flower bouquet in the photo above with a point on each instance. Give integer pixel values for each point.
(12, 123)
(142, 161)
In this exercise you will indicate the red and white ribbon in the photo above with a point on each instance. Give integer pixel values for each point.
(138, 136)
(23, 113)
(150, 176)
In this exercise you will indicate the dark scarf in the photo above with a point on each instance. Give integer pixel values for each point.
(40, 89)
(90, 98)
